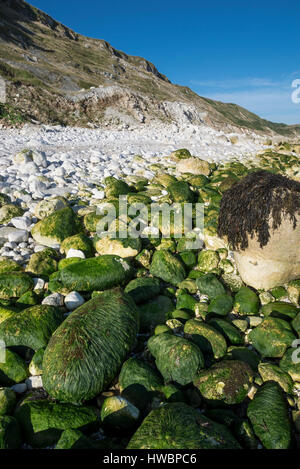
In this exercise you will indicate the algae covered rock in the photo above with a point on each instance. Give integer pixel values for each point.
(13, 370)
(52, 230)
(10, 437)
(179, 426)
(269, 417)
(208, 260)
(9, 265)
(271, 372)
(14, 284)
(97, 336)
(79, 242)
(31, 328)
(9, 211)
(42, 263)
(209, 285)
(96, 273)
(176, 358)
(154, 312)
(232, 333)
(118, 414)
(167, 267)
(208, 339)
(180, 191)
(143, 289)
(290, 363)
(7, 401)
(43, 421)
(36, 364)
(228, 382)
(74, 439)
(272, 337)
(221, 305)
(138, 372)
(246, 301)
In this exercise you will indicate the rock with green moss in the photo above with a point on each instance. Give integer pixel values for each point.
(188, 258)
(14, 284)
(246, 301)
(290, 363)
(79, 242)
(68, 261)
(42, 263)
(13, 369)
(9, 211)
(178, 426)
(10, 436)
(243, 354)
(272, 337)
(48, 206)
(208, 260)
(167, 267)
(4, 199)
(53, 229)
(154, 312)
(137, 372)
(232, 333)
(118, 414)
(6, 312)
(127, 247)
(86, 352)
(36, 364)
(181, 154)
(176, 358)
(31, 328)
(9, 265)
(221, 305)
(271, 372)
(186, 301)
(208, 339)
(115, 187)
(74, 439)
(144, 258)
(91, 220)
(280, 309)
(30, 298)
(7, 401)
(233, 281)
(296, 324)
(95, 274)
(209, 285)
(42, 421)
(226, 382)
(269, 416)
(143, 289)
(180, 191)
(189, 285)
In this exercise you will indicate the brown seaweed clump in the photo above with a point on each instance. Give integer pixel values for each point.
(251, 205)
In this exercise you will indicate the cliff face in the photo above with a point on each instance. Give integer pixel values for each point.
(55, 75)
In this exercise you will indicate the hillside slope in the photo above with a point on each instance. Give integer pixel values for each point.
(55, 75)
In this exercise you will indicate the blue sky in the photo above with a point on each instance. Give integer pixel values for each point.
(240, 51)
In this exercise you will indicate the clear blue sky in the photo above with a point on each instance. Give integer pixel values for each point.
(242, 51)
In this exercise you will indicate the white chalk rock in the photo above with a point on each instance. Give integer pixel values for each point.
(73, 300)
(75, 253)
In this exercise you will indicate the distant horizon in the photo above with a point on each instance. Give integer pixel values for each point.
(242, 54)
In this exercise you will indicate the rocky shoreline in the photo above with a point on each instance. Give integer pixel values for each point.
(137, 342)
